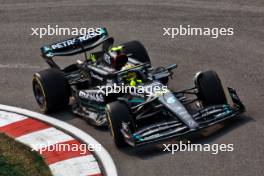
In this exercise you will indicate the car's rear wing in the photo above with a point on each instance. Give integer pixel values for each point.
(75, 45)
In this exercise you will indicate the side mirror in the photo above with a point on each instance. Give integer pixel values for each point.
(171, 67)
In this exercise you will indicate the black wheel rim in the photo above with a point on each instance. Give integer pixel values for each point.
(39, 96)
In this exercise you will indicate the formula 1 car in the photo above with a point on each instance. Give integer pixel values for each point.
(149, 111)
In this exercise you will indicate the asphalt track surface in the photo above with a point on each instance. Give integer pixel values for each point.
(238, 59)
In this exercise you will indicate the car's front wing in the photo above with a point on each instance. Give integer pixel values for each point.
(205, 118)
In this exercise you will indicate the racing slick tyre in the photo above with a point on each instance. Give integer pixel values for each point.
(136, 50)
(51, 90)
(117, 113)
(210, 89)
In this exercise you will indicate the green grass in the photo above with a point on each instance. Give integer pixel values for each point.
(17, 159)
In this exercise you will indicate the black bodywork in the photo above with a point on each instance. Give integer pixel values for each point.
(157, 117)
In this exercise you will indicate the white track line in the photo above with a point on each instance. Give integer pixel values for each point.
(106, 160)
(23, 66)
(83, 166)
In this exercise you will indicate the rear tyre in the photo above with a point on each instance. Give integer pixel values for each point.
(116, 113)
(136, 50)
(51, 90)
(210, 89)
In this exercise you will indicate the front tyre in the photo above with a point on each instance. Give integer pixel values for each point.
(210, 89)
(51, 90)
(116, 114)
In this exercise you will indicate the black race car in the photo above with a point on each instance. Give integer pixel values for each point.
(149, 111)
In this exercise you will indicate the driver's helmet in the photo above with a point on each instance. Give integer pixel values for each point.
(116, 58)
